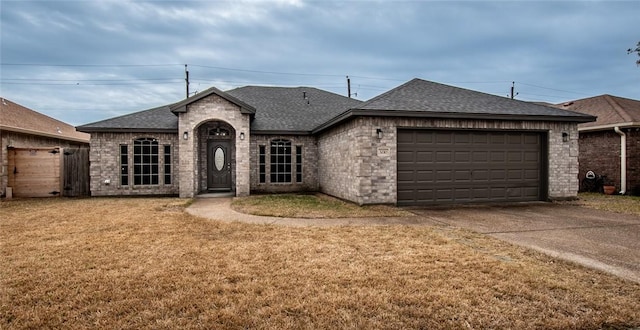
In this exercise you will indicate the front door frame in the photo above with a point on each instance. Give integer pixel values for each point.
(219, 171)
(215, 131)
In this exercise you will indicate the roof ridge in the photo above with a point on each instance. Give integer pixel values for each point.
(367, 102)
(619, 110)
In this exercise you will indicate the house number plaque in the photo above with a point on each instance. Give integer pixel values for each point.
(384, 151)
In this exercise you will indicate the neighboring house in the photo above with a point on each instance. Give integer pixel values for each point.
(420, 143)
(615, 136)
(32, 150)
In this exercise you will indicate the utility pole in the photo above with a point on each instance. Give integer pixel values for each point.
(349, 88)
(513, 86)
(186, 79)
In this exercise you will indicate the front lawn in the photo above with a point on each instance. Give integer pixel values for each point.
(145, 263)
(311, 206)
(611, 203)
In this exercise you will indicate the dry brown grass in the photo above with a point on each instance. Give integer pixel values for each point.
(144, 263)
(311, 206)
(612, 203)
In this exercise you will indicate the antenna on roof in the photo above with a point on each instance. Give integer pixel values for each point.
(513, 86)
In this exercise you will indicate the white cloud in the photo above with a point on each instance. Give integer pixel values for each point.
(575, 46)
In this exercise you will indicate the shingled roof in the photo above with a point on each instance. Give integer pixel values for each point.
(278, 110)
(421, 98)
(292, 110)
(160, 120)
(610, 110)
(17, 118)
(308, 110)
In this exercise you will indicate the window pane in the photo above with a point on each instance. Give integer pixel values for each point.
(167, 164)
(262, 167)
(146, 168)
(299, 164)
(280, 161)
(124, 165)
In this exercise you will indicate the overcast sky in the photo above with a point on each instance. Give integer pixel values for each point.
(83, 61)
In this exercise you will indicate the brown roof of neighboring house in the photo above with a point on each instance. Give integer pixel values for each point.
(610, 110)
(16, 118)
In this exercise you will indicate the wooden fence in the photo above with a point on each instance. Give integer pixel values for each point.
(75, 172)
(49, 172)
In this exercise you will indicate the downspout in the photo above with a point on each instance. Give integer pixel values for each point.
(623, 160)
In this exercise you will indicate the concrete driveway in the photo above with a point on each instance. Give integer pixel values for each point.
(599, 239)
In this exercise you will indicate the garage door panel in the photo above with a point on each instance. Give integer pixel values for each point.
(514, 156)
(514, 175)
(480, 156)
(533, 175)
(423, 137)
(514, 139)
(468, 166)
(406, 176)
(443, 176)
(531, 156)
(497, 138)
(462, 176)
(480, 175)
(462, 138)
(444, 138)
(531, 139)
(405, 157)
(444, 157)
(462, 156)
(424, 156)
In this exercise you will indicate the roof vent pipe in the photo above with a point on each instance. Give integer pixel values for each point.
(623, 160)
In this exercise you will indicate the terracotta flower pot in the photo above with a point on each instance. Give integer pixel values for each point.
(609, 190)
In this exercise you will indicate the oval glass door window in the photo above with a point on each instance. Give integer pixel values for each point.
(218, 159)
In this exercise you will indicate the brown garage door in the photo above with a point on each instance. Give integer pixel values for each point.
(445, 167)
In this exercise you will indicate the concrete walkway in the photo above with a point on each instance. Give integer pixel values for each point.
(598, 239)
(220, 209)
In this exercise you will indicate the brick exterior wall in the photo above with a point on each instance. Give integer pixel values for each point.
(352, 163)
(104, 157)
(309, 164)
(206, 110)
(600, 152)
(20, 140)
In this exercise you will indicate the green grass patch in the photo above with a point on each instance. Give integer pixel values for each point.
(311, 206)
